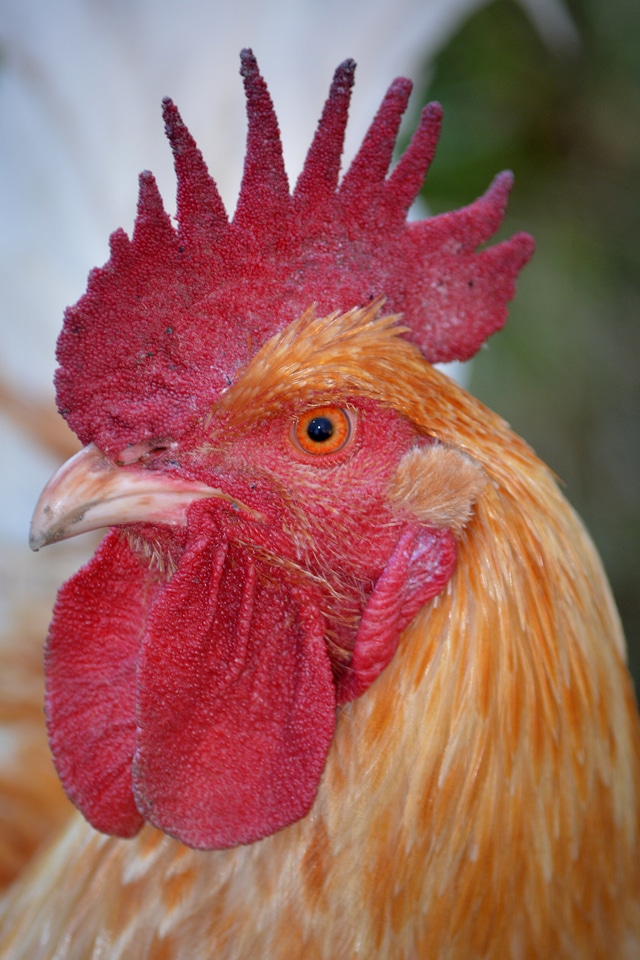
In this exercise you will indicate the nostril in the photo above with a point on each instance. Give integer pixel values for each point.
(138, 451)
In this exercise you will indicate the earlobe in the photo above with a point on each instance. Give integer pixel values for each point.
(437, 485)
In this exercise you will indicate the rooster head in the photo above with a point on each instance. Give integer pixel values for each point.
(279, 507)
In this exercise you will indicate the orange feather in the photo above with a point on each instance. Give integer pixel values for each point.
(479, 801)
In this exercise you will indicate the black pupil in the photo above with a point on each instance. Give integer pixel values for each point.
(320, 429)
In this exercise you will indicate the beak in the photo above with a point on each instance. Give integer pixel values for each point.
(89, 491)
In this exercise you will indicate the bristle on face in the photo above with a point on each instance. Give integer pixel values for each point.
(166, 324)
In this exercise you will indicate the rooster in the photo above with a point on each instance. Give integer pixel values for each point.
(344, 678)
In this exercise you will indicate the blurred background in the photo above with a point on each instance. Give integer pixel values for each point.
(548, 88)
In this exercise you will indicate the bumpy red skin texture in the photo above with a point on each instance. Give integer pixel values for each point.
(417, 570)
(90, 667)
(235, 699)
(206, 704)
(166, 324)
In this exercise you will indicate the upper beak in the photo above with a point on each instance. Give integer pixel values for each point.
(89, 491)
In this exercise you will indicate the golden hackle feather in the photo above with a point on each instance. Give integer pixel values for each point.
(480, 801)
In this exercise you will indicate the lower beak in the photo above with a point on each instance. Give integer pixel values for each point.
(89, 492)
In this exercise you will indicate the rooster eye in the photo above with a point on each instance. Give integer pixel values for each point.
(322, 430)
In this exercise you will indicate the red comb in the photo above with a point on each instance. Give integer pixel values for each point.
(167, 322)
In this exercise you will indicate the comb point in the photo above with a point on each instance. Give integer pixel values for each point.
(264, 193)
(200, 210)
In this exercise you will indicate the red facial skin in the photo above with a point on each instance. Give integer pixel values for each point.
(205, 701)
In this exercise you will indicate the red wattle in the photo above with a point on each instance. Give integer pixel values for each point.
(90, 668)
(236, 701)
(418, 569)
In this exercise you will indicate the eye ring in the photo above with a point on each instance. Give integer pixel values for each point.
(322, 430)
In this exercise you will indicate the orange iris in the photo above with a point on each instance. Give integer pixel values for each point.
(322, 430)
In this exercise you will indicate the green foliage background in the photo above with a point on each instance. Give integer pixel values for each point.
(565, 371)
